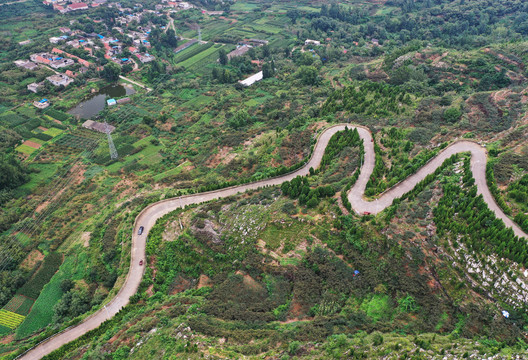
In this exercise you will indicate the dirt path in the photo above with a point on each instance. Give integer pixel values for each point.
(135, 82)
(153, 212)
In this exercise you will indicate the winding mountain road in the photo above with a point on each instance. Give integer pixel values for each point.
(153, 212)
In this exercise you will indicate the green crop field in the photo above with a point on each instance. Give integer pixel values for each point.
(244, 6)
(190, 52)
(48, 268)
(28, 150)
(41, 314)
(38, 141)
(198, 101)
(19, 304)
(198, 57)
(10, 319)
(266, 28)
(170, 172)
(206, 62)
(53, 132)
(41, 174)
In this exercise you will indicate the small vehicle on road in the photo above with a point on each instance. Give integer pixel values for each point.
(140, 231)
(366, 213)
(141, 262)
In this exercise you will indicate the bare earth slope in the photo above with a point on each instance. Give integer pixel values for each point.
(153, 212)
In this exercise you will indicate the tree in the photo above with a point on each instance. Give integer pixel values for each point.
(293, 15)
(66, 285)
(452, 115)
(111, 71)
(11, 173)
(222, 57)
(308, 75)
(266, 52)
(169, 39)
(267, 71)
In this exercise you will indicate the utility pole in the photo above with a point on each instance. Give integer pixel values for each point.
(113, 151)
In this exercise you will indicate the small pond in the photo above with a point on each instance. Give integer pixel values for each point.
(95, 102)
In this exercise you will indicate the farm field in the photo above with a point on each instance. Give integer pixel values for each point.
(41, 314)
(25, 149)
(10, 319)
(53, 132)
(196, 58)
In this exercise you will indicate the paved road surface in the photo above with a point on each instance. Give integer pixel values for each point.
(151, 213)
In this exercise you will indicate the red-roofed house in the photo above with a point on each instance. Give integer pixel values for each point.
(79, 60)
(78, 6)
(132, 49)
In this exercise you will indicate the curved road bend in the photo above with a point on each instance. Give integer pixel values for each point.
(153, 212)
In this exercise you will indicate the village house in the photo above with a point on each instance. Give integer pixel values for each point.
(239, 51)
(79, 60)
(42, 58)
(145, 58)
(57, 39)
(77, 6)
(35, 87)
(74, 43)
(59, 79)
(41, 104)
(60, 8)
(98, 126)
(61, 62)
(212, 13)
(96, 3)
(28, 65)
(25, 42)
(312, 42)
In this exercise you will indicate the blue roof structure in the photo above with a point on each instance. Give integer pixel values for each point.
(356, 272)
(100, 36)
(124, 59)
(111, 101)
(43, 101)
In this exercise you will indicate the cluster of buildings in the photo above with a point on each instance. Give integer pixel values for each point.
(57, 59)
(179, 5)
(64, 6)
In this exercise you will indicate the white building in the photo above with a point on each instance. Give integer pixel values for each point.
(252, 79)
(312, 42)
(35, 87)
(59, 79)
(61, 62)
